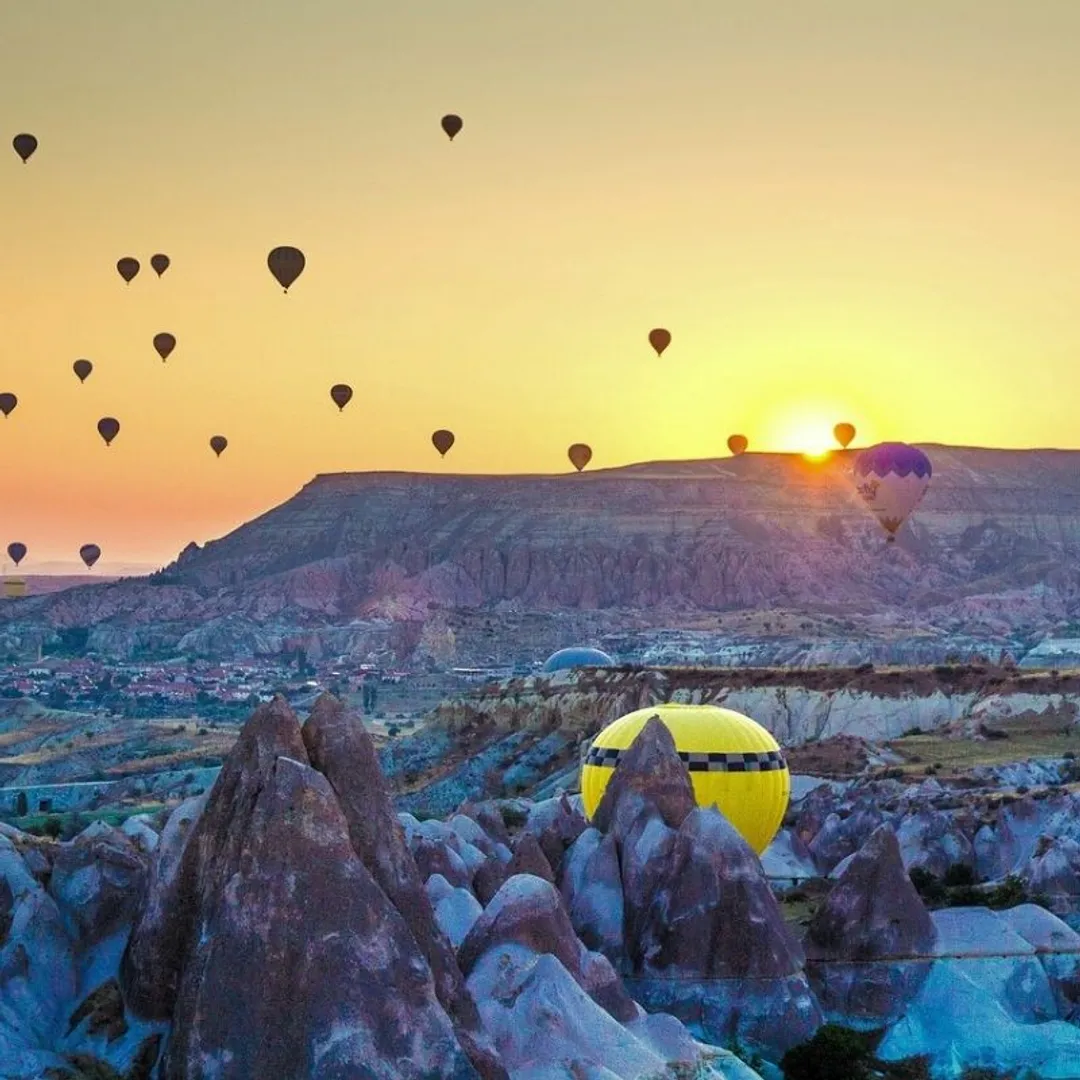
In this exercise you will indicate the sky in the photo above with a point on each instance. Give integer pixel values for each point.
(862, 211)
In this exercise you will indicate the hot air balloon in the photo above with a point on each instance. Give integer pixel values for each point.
(25, 145)
(580, 455)
(164, 344)
(89, 553)
(577, 656)
(127, 268)
(16, 552)
(286, 264)
(732, 760)
(82, 369)
(659, 339)
(218, 444)
(442, 440)
(892, 478)
(160, 263)
(341, 395)
(737, 444)
(108, 428)
(452, 124)
(844, 433)
(8, 403)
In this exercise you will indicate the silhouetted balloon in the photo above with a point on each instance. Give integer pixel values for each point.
(218, 444)
(89, 553)
(82, 368)
(452, 124)
(737, 444)
(580, 455)
(659, 339)
(8, 403)
(844, 433)
(892, 478)
(16, 552)
(442, 440)
(108, 428)
(127, 268)
(164, 344)
(160, 263)
(25, 145)
(286, 264)
(341, 394)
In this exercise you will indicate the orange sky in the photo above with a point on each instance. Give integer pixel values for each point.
(857, 210)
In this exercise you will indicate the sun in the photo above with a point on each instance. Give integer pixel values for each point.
(811, 437)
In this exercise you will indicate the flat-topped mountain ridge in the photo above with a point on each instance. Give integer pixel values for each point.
(995, 547)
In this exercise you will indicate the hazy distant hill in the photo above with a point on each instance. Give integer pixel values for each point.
(993, 551)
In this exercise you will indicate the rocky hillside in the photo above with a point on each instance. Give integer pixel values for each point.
(527, 735)
(473, 567)
(289, 923)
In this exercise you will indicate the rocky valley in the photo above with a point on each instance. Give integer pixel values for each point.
(764, 559)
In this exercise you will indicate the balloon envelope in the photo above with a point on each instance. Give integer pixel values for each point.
(891, 479)
(164, 344)
(160, 263)
(844, 433)
(16, 552)
(580, 455)
(8, 403)
(218, 444)
(452, 124)
(286, 264)
(737, 444)
(90, 553)
(442, 440)
(25, 145)
(108, 428)
(659, 339)
(82, 369)
(341, 395)
(733, 762)
(127, 268)
(575, 657)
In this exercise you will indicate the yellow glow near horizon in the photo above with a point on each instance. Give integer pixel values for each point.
(841, 211)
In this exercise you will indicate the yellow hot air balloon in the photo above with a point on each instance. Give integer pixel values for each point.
(733, 761)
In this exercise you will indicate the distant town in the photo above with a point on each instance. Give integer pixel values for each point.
(228, 690)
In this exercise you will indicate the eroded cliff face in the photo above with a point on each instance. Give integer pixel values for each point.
(993, 551)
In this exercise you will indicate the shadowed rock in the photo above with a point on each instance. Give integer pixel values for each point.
(530, 859)
(161, 940)
(529, 912)
(873, 913)
(652, 770)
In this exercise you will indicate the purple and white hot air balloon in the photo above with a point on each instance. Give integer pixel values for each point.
(892, 478)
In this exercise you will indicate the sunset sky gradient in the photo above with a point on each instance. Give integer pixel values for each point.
(862, 210)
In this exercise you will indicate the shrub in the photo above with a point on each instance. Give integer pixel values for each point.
(927, 885)
(1008, 894)
(834, 1053)
(958, 874)
(52, 826)
(916, 730)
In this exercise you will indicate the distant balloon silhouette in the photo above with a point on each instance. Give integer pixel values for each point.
(844, 433)
(89, 553)
(341, 394)
(580, 455)
(164, 344)
(127, 268)
(737, 444)
(16, 552)
(108, 429)
(286, 264)
(442, 440)
(218, 444)
(452, 124)
(8, 403)
(160, 263)
(659, 339)
(25, 145)
(82, 368)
